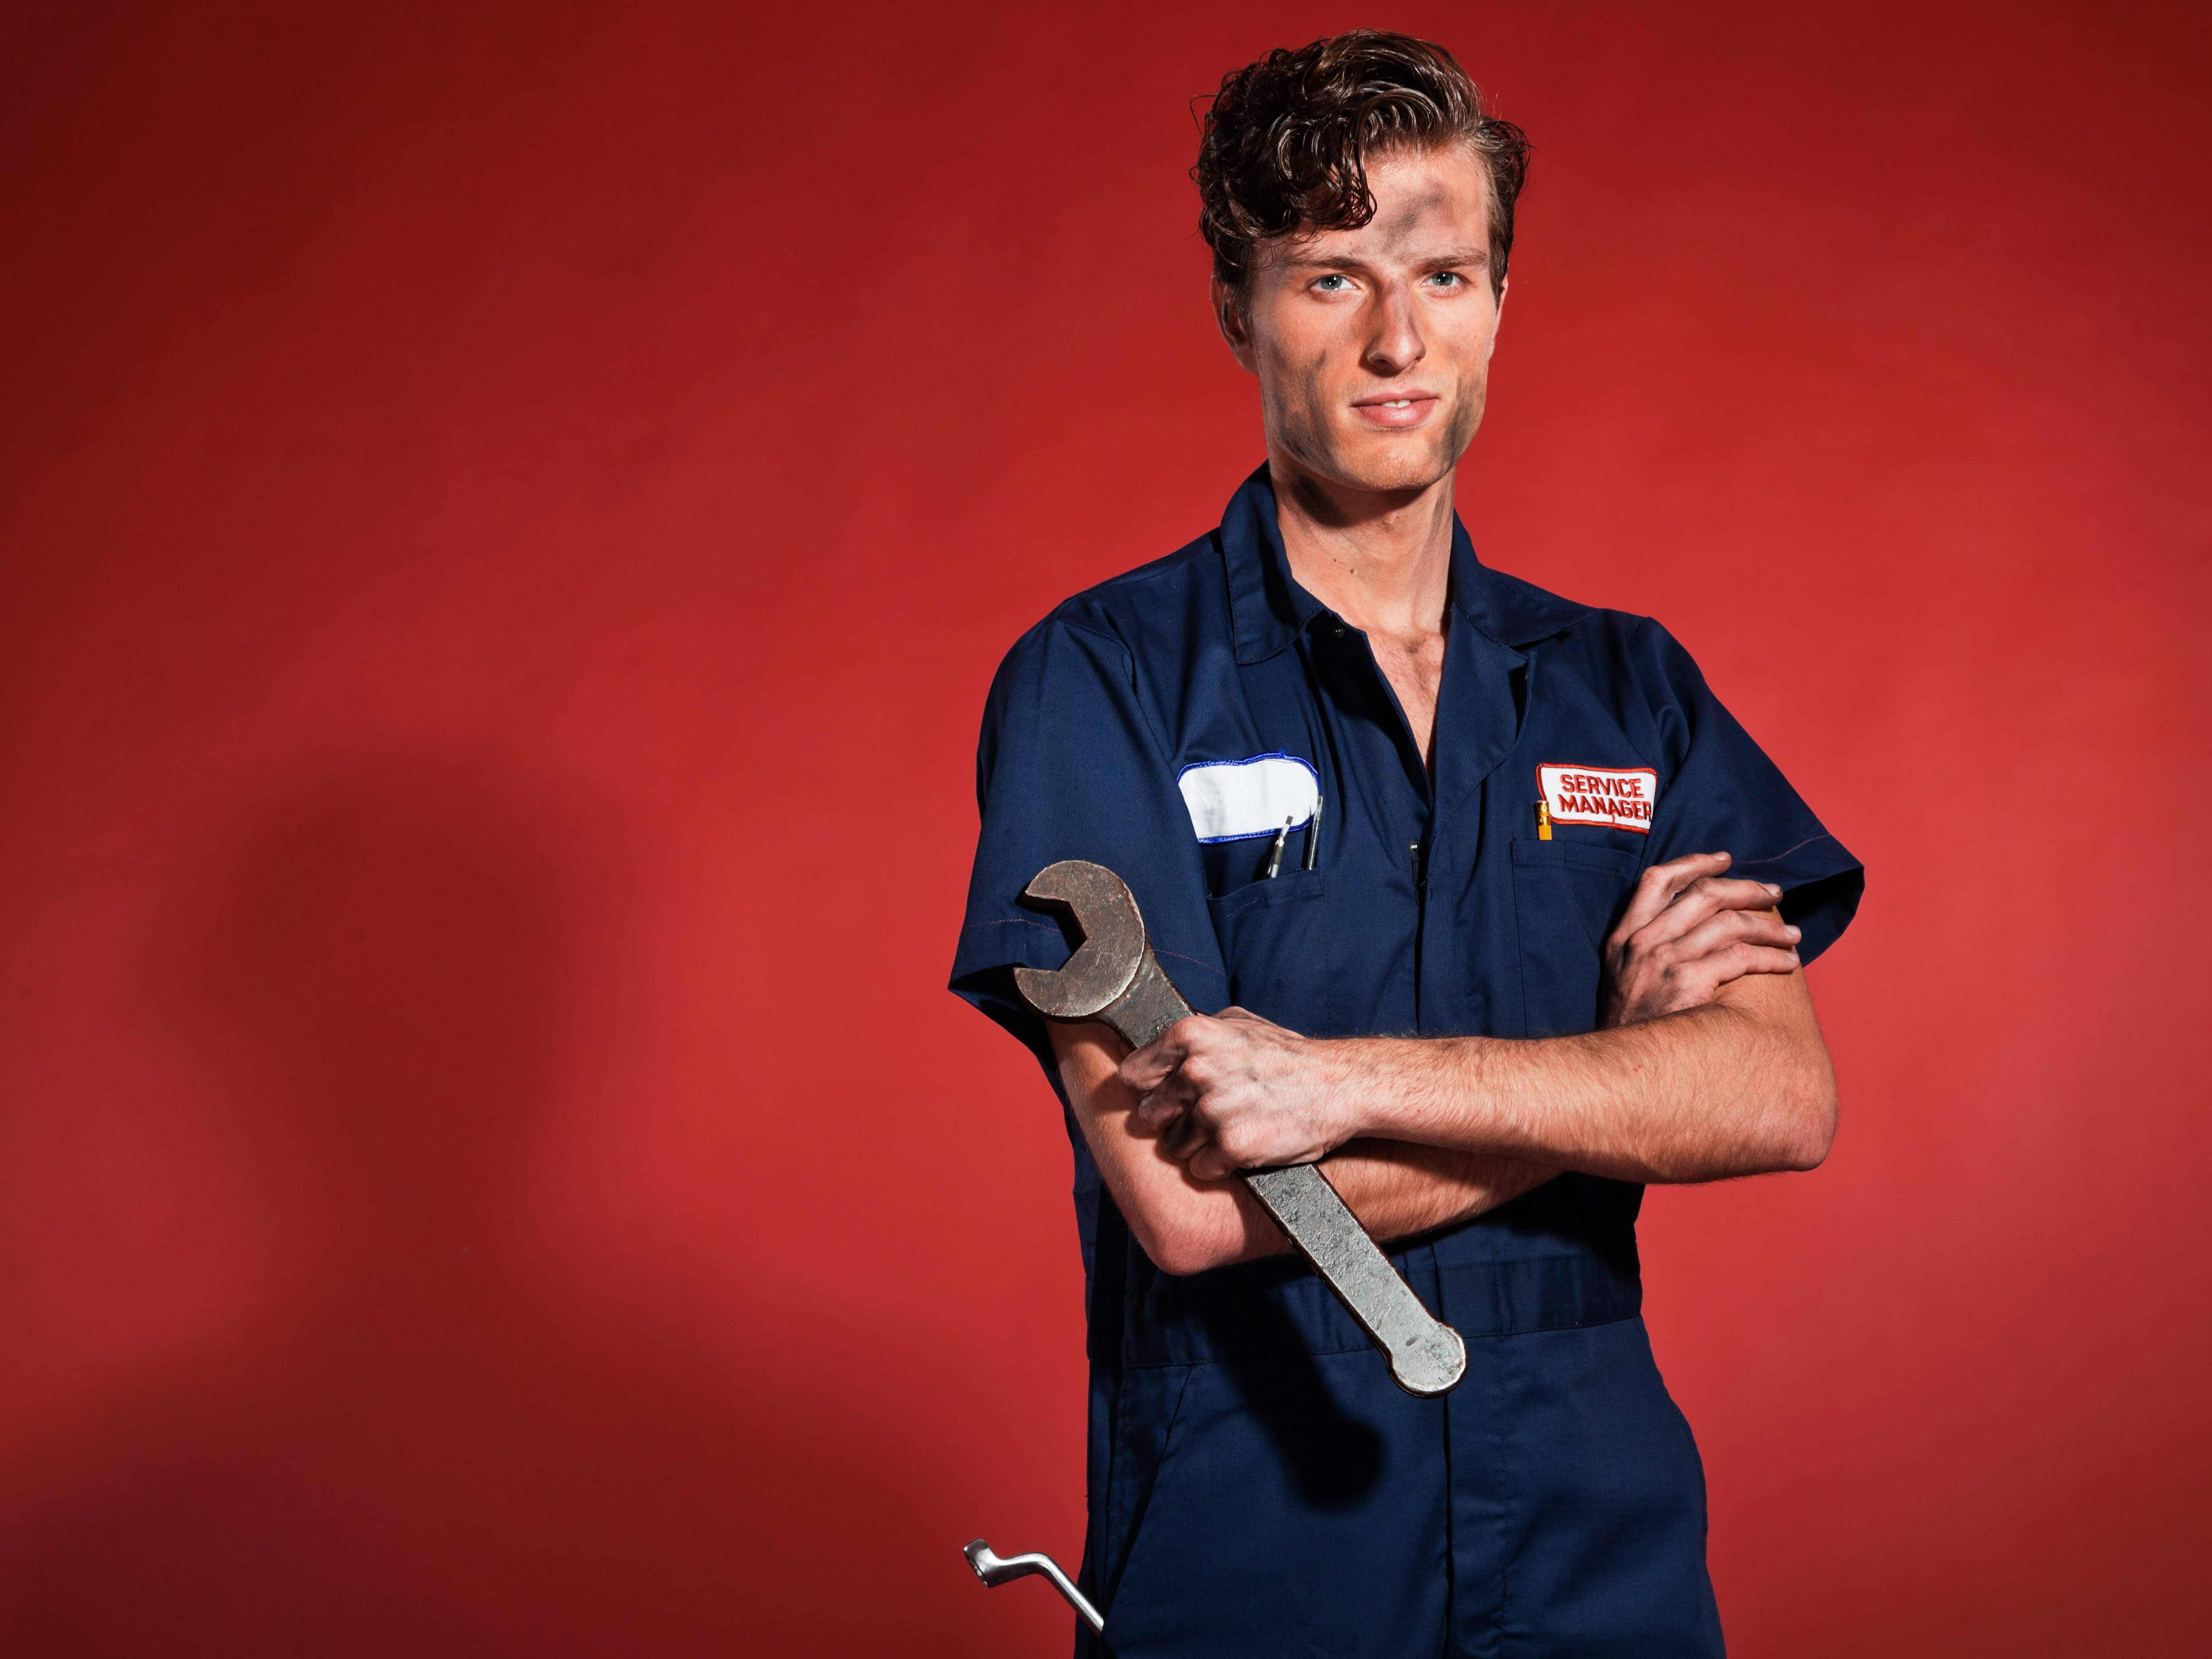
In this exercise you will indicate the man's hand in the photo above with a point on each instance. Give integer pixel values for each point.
(1239, 1092)
(1685, 933)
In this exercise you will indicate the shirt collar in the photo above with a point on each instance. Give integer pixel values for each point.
(1269, 609)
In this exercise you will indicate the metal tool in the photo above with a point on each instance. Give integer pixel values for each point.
(1275, 852)
(1313, 838)
(1114, 978)
(997, 1569)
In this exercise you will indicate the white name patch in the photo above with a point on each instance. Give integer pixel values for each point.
(1236, 800)
(1616, 797)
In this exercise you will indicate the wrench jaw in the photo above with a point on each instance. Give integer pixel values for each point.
(1113, 947)
(1113, 977)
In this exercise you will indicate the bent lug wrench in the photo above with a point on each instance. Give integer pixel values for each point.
(1114, 978)
(997, 1569)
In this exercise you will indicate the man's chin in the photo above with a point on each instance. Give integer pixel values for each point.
(1389, 469)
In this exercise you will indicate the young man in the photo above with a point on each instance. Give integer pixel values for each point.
(1446, 855)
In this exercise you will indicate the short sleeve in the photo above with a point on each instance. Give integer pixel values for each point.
(1723, 794)
(1069, 766)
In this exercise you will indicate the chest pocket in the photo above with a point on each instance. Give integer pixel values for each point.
(1567, 895)
(1274, 942)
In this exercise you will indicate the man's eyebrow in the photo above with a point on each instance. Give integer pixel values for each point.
(1478, 257)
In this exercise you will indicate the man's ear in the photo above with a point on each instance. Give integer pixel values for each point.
(1229, 318)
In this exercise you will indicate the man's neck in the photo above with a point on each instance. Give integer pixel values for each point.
(1381, 560)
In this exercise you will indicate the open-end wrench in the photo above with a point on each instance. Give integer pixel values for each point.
(1114, 979)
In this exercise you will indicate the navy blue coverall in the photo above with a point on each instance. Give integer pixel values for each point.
(1257, 1484)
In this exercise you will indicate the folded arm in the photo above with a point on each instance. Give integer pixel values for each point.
(1187, 1224)
(1713, 1066)
(1741, 1086)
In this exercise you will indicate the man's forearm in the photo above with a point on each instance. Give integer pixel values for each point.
(1395, 1190)
(1398, 1190)
(1739, 1087)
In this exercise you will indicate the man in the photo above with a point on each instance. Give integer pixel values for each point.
(1445, 854)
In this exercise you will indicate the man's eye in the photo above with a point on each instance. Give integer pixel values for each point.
(1448, 279)
(1333, 284)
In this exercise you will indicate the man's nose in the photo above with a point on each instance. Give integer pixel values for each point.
(1397, 343)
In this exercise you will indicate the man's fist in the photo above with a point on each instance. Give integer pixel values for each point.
(1239, 1092)
(1687, 933)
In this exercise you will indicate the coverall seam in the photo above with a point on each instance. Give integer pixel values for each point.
(1163, 751)
(1131, 1528)
(1363, 1346)
(1775, 858)
(1500, 1471)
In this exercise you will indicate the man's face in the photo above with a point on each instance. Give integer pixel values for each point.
(1372, 346)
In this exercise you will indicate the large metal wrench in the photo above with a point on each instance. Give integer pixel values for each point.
(1114, 978)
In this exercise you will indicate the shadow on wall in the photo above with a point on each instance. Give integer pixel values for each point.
(420, 1451)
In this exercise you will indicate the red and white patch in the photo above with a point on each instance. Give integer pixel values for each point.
(1615, 797)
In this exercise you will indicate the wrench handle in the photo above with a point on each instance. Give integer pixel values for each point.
(1427, 1356)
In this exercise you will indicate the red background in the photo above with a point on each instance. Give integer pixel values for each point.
(507, 519)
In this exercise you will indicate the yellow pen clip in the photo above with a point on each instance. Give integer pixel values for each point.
(1543, 822)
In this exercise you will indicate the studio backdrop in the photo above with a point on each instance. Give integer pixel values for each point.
(507, 515)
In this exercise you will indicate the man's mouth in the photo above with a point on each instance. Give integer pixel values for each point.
(1395, 410)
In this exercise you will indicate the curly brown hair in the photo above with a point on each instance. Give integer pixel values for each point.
(1287, 141)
